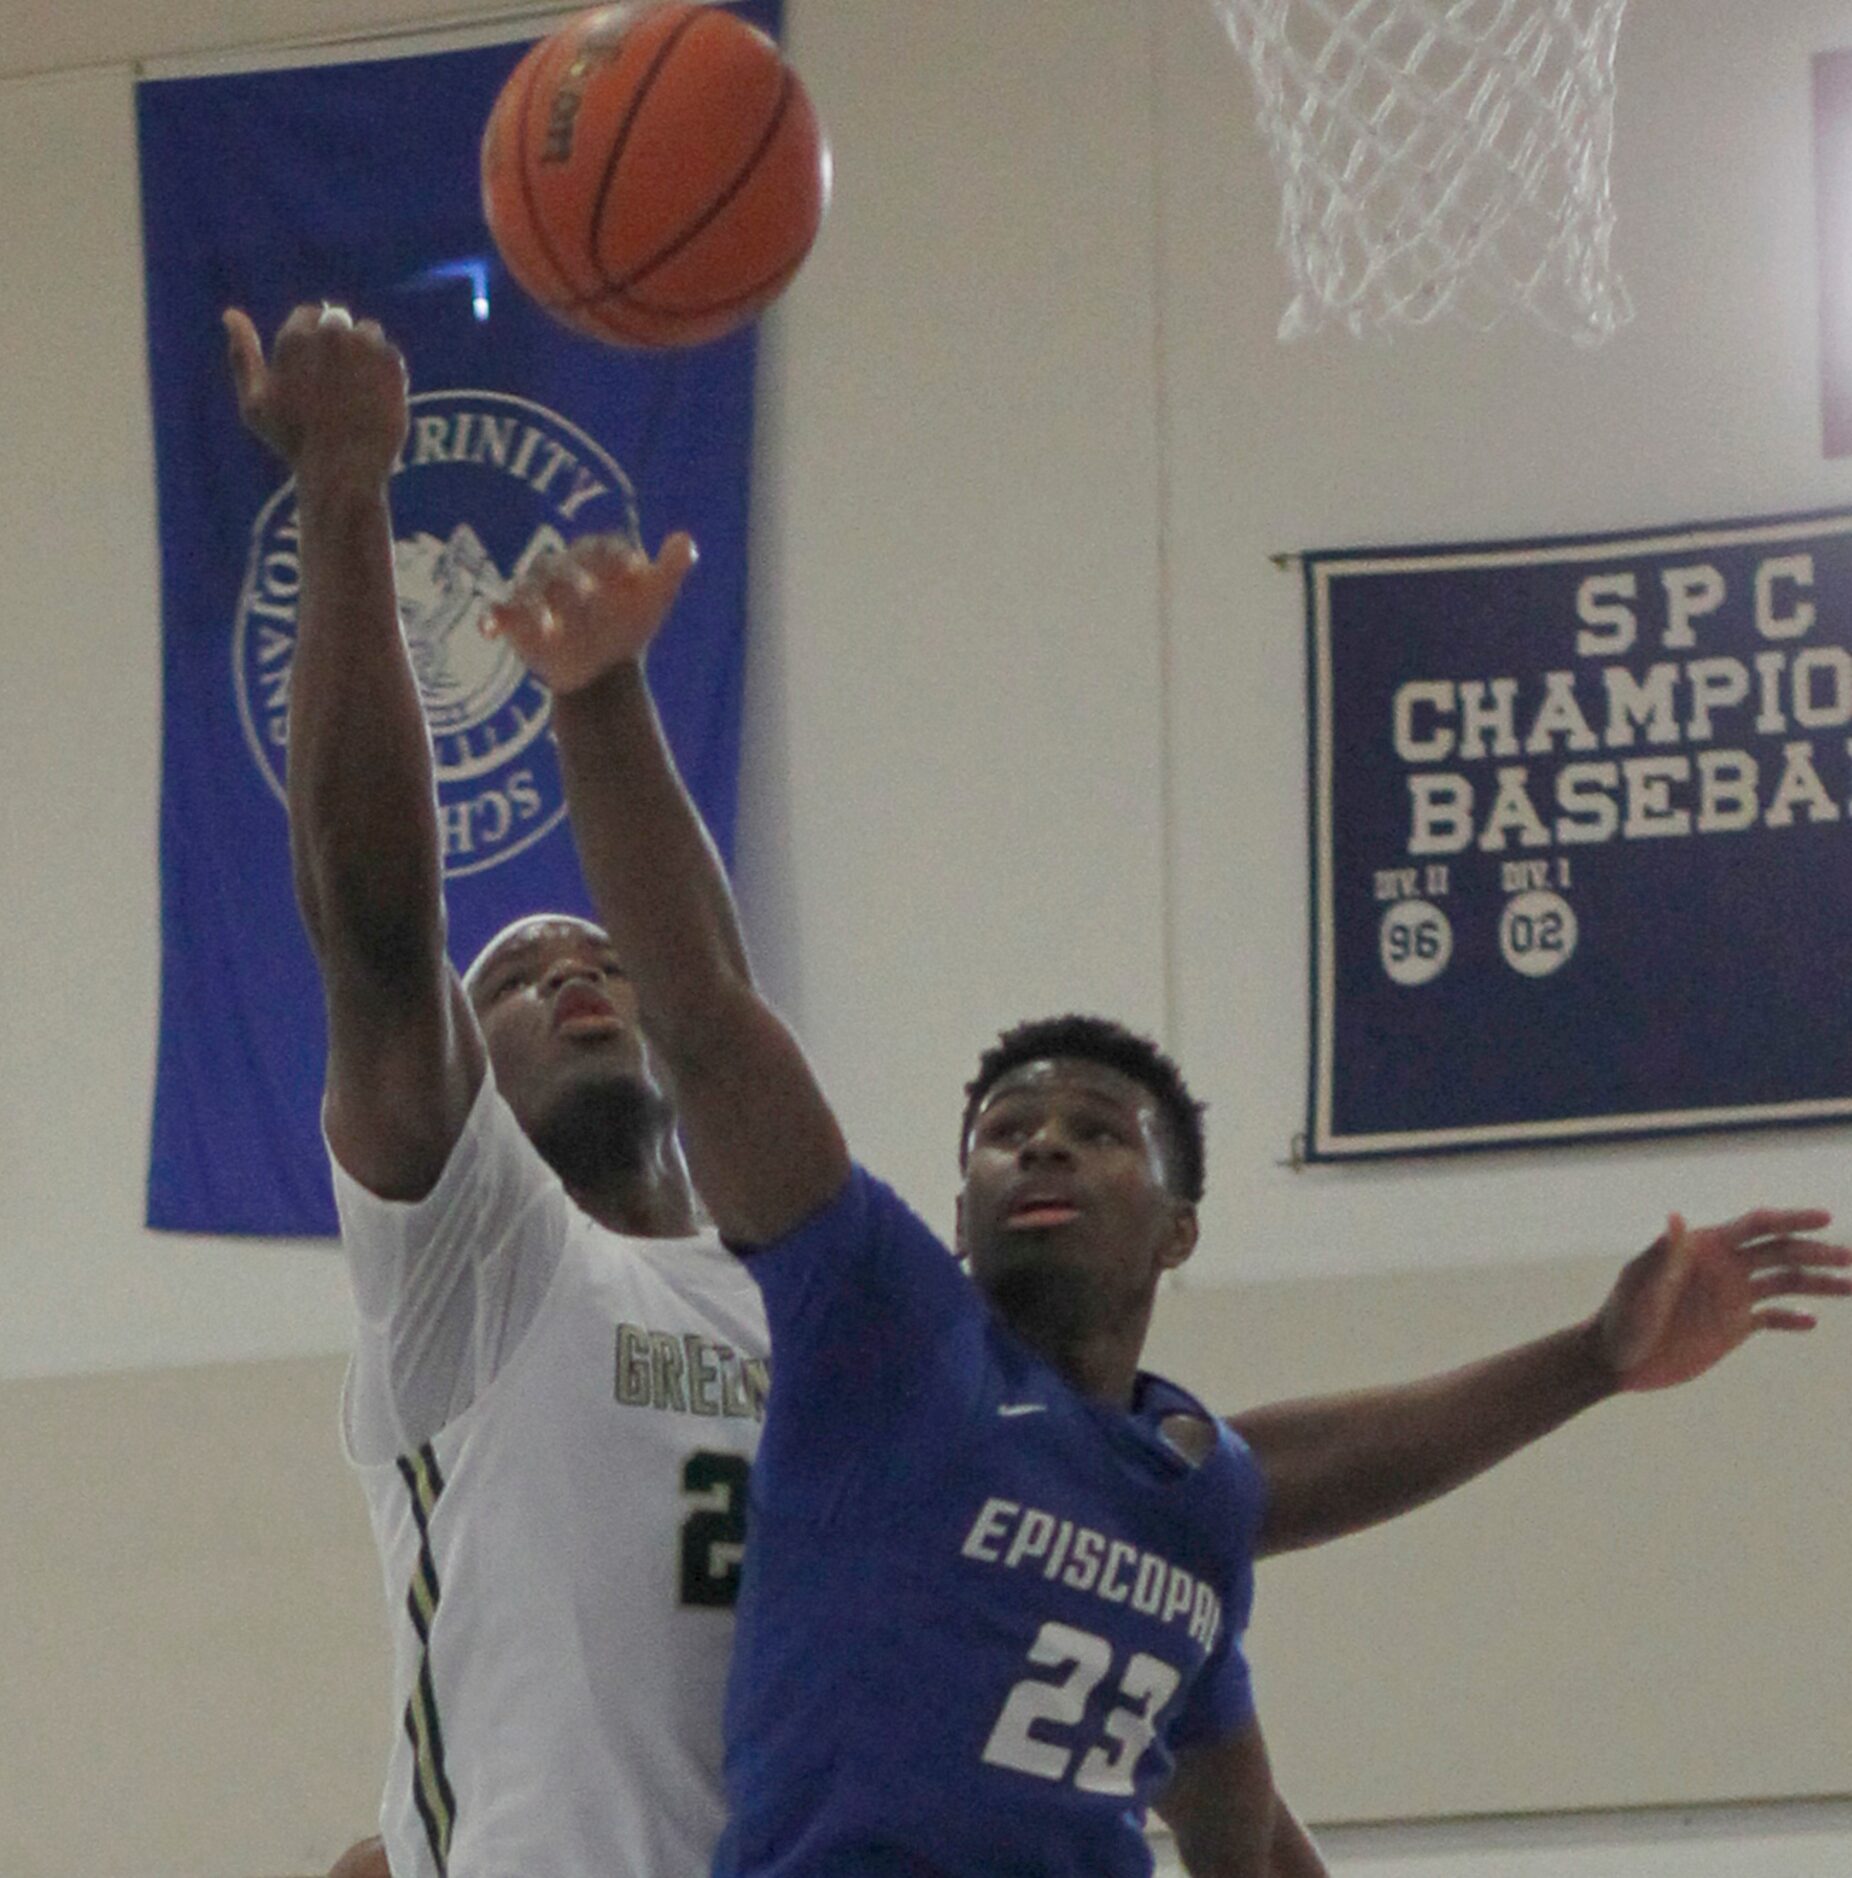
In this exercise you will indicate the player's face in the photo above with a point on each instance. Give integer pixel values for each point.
(1065, 1174)
(557, 1013)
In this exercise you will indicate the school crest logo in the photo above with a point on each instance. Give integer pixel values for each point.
(486, 483)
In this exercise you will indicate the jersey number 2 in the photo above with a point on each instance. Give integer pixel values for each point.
(1081, 1660)
(714, 1533)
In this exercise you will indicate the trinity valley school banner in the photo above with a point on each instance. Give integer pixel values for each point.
(358, 183)
(1581, 837)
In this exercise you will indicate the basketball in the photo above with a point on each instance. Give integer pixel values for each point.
(654, 175)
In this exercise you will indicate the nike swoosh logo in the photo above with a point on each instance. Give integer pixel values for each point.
(1022, 1408)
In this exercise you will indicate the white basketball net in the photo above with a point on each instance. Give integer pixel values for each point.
(1440, 156)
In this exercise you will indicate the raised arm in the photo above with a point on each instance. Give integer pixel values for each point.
(763, 1147)
(1335, 1464)
(404, 1054)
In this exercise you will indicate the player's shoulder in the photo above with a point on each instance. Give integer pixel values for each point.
(864, 1252)
(692, 1277)
(885, 1213)
(696, 1264)
(494, 1202)
(864, 1210)
(491, 1153)
(1225, 1458)
(1239, 1485)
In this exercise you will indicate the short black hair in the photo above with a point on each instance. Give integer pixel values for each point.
(1100, 1040)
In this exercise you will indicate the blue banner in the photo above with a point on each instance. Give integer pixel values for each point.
(358, 183)
(1581, 857)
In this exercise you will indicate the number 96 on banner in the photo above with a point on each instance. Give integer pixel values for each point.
(1416, 942)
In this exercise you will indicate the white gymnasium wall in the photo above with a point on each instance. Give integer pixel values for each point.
(1026, 731)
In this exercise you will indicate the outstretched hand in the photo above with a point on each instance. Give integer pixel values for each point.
(331, 398)
(1696, 1293)
(575, 616)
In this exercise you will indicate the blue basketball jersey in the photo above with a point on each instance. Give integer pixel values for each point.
(980, 1613)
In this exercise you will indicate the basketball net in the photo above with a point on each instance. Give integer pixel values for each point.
(1440, 157)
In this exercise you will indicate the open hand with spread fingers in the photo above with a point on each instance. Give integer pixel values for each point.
(1696, 1293)
(575, 616)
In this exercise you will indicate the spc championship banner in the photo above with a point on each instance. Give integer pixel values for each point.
(1581, 855)
(358, 183)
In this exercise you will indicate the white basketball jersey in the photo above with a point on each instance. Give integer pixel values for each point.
(561, 1563)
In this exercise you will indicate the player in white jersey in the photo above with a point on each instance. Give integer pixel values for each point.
(598, 1395)
(559, 1375)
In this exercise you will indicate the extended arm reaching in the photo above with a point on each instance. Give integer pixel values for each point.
(763, 1146)
(1335, 1464)
(404, 1055)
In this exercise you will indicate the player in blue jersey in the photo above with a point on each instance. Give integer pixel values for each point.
(997, 1573)
(1008, 1571)
(998, 1578)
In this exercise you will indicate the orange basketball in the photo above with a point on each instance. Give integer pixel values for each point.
(654, 174)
